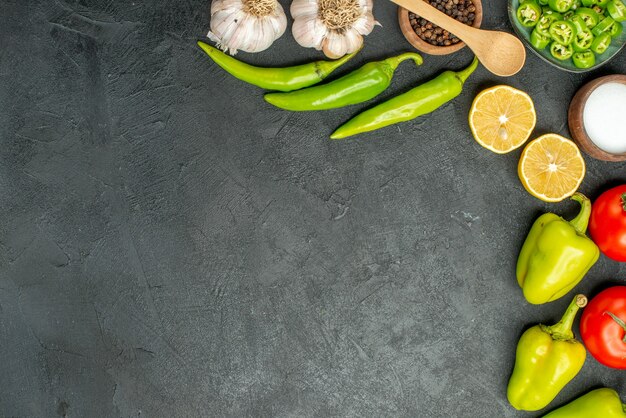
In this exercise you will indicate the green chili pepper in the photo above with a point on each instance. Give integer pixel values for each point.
(562, 32)
(538, 41)
(528, 13)
(560, 6)
(578, 22)
(601, 43)
(547, 358)
(605, 25)
(599, 403)
(599, 10)
(582, 40)
(589, 16)
(358, 86)
(556, 255)
(617, 10)
(282, 79)
(584, 59)
(418, 101)
(560, 51)
(616, 29)
(547, 19)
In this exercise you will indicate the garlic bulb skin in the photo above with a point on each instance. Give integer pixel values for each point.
(246, 25)
(336, 27)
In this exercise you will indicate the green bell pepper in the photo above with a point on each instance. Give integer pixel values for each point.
(528, 13)
(601, 43)
(584, 59)
(547, 358)
(562, 32)
(538, 41)
(599, 403)
(617, 10)
(556, 255)
(589, 16)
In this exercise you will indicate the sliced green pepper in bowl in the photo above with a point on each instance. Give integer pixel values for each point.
(617, 10)
(560, 51)
(601, 43)
(562, 32)
(584, 59)
(528, 13)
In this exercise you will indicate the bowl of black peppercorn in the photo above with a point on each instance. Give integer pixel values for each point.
(430, 38)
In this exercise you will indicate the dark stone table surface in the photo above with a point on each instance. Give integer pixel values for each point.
(173, 246)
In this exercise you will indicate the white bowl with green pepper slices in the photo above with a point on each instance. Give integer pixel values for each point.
(573, 35)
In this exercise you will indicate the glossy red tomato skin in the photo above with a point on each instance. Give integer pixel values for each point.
(601, 334)
(607, 224)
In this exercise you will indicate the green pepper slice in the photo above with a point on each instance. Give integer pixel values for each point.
(528, 13)
(582, 40)
(589, 16)
(577, 4)
(602, 3)
(589, 3)
(579, 23)
(605, 25)
(616, 29)
(560, 6)
(547, 19)
(562, 32)
(543, 2)
(601, 43)
(538, 41)
(617, 10)
(560, 51)
(584, 59)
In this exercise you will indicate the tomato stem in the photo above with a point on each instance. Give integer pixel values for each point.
(619, 322)
(624, 201)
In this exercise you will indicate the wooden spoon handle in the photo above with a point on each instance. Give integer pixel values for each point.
(428, 12)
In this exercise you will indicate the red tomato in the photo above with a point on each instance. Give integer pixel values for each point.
(607, 225)
(601, 330)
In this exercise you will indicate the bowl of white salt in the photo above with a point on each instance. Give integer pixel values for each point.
(597, 118)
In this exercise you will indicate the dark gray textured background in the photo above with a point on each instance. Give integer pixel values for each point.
(172, 246)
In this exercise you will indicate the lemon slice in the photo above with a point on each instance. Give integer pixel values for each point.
(551, 168)
(502, 118)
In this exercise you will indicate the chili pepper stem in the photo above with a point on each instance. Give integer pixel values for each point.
(619, 322)
(562, 330)
(464, 74)
(395, 61)
(324, 68)
(581, 220)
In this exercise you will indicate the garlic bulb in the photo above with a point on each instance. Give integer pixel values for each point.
(248, 25)
(334, 26)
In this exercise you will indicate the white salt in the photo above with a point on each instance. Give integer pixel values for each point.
(604, 117)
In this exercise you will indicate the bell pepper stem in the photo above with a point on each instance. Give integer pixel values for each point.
(562, 330)
(581, 220)
(619, 321)
(395, 61)
(464, 74)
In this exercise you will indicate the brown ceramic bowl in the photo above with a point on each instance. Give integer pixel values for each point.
(576, 121)
(425, 47)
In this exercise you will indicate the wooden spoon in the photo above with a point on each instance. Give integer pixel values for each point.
(501, 53)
